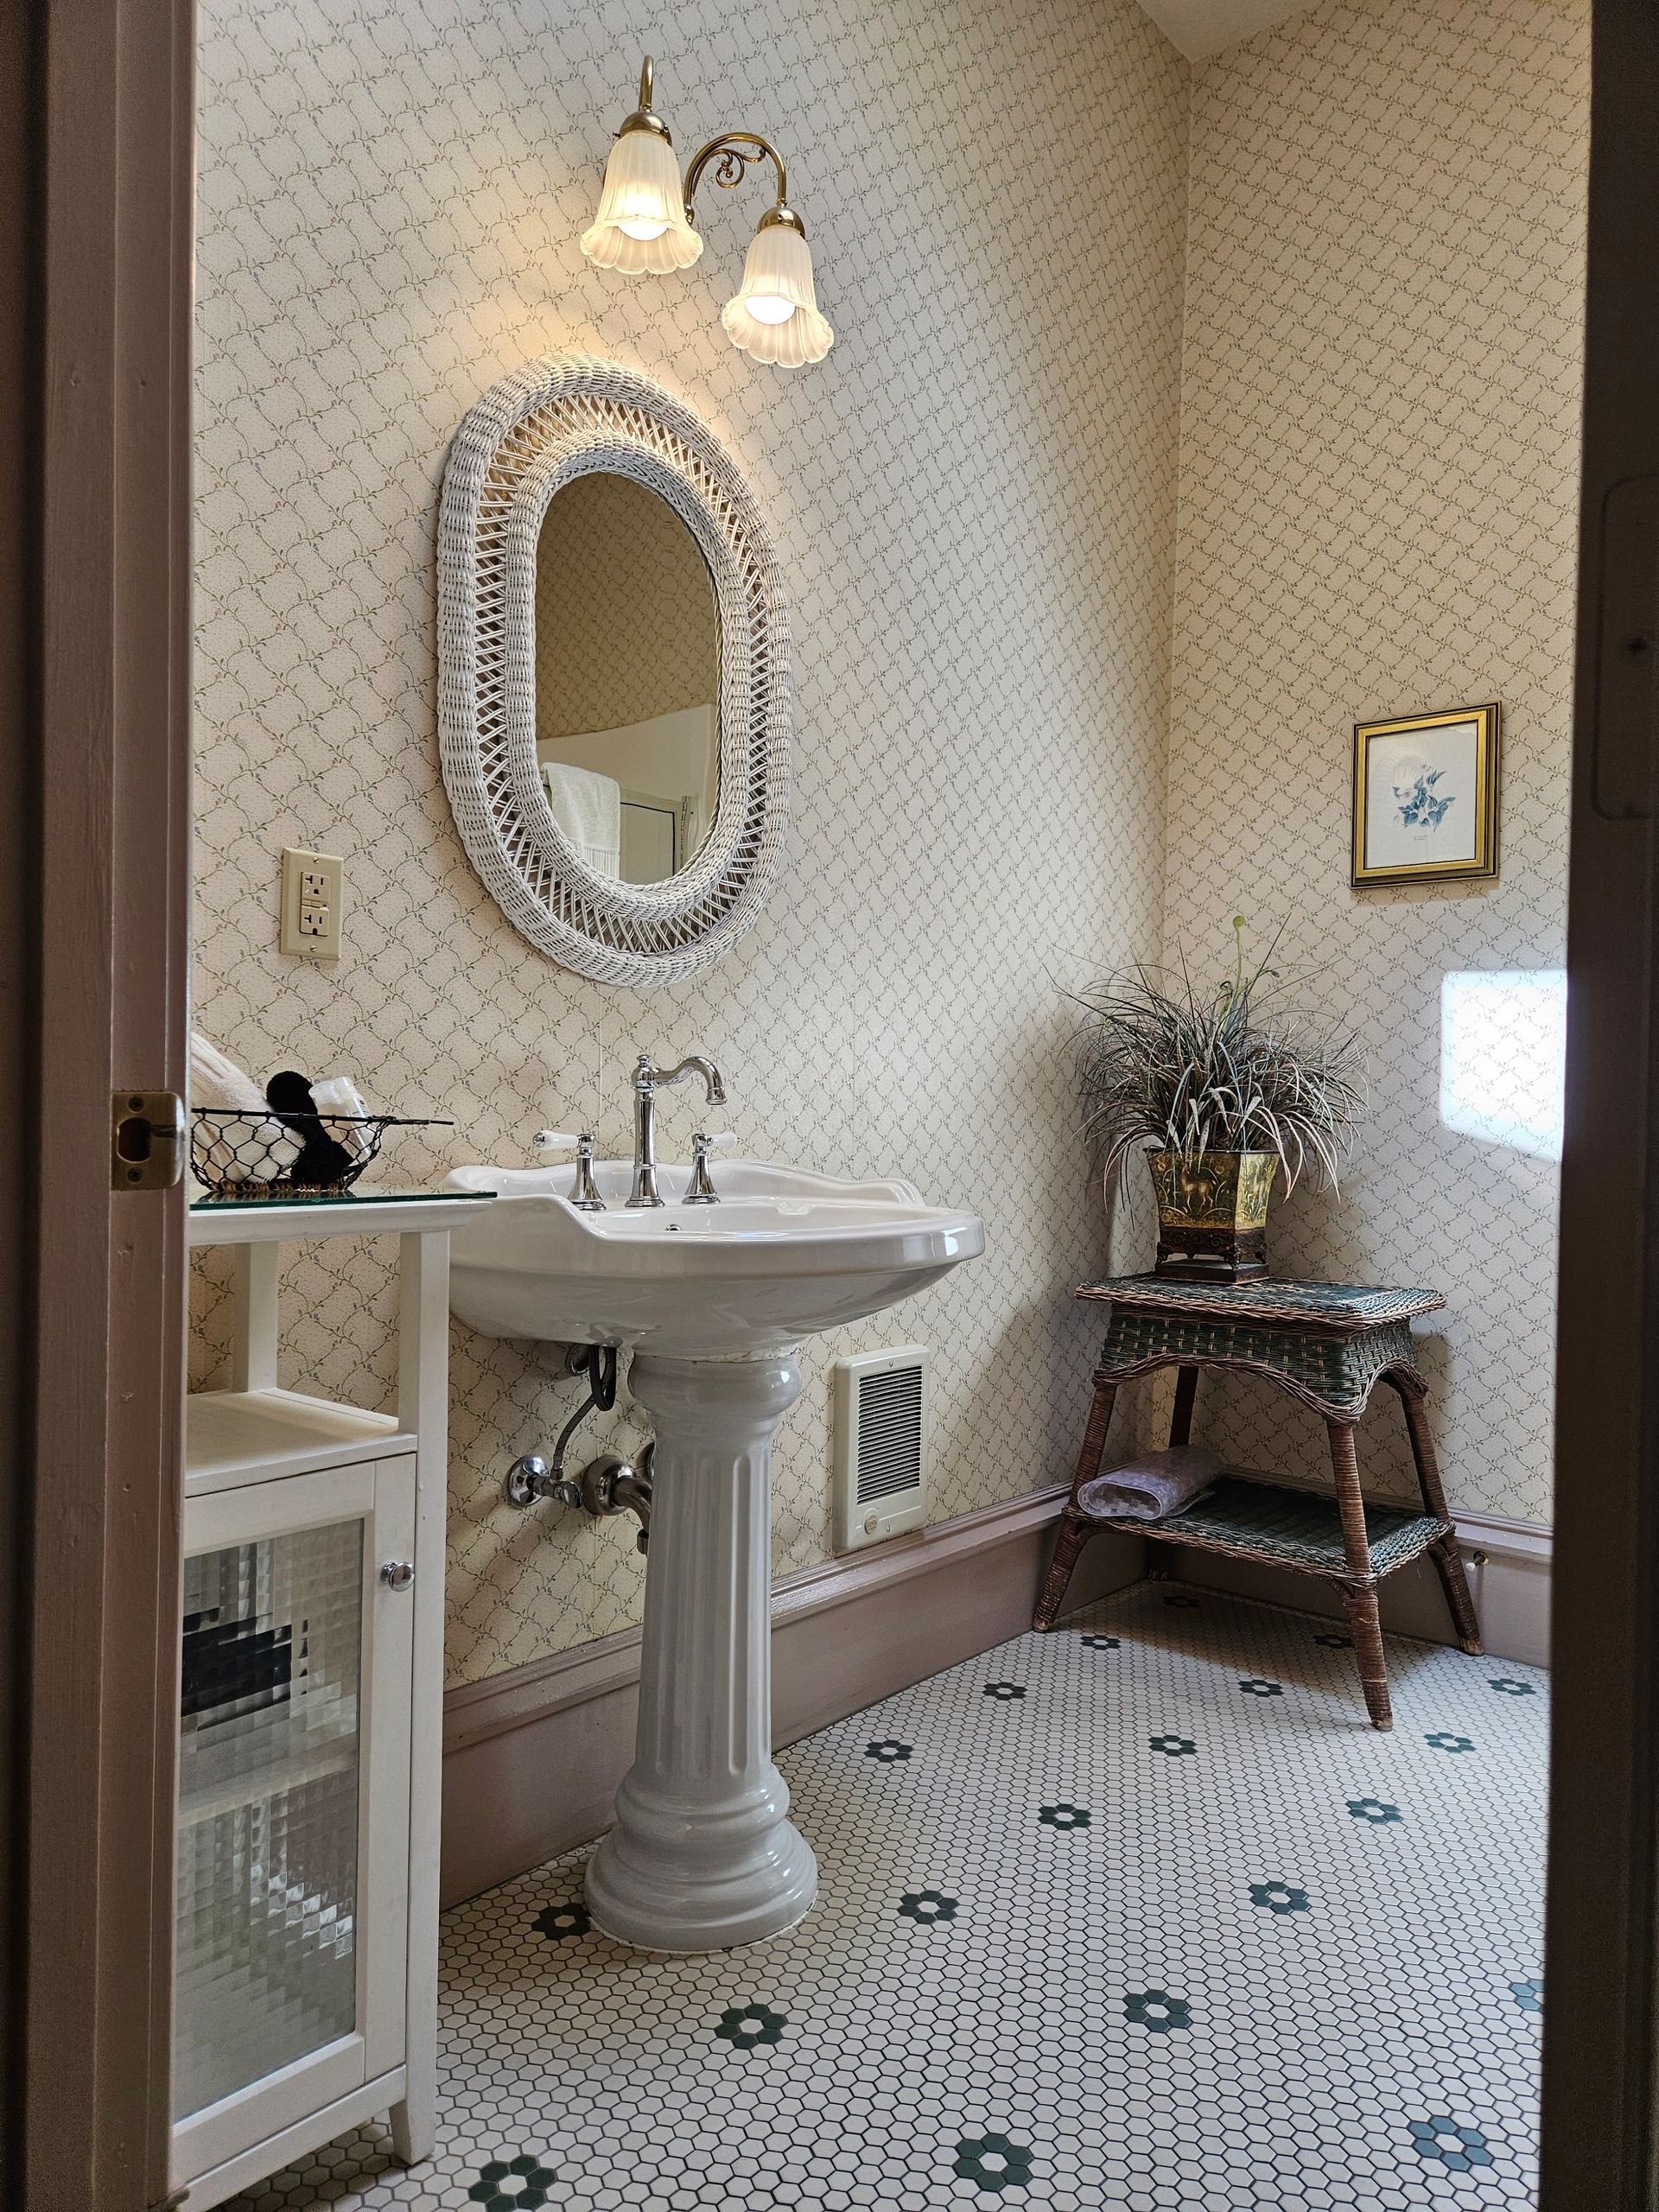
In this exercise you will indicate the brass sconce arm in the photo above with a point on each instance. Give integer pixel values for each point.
(732, 158)
(734, 152)
(646, 224)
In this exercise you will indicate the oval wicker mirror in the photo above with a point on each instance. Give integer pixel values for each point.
(516, 793)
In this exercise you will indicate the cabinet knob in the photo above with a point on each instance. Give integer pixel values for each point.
(397, 1574)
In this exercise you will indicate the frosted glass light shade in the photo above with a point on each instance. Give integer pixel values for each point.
(640, 227)
(775, 314)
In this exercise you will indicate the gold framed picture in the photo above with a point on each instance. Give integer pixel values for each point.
(1426, 796)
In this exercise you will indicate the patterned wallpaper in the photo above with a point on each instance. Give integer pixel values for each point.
(975, 499)
(626, 628)
(1378, 508)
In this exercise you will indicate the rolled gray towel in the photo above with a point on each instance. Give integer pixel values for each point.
(1152, 1486)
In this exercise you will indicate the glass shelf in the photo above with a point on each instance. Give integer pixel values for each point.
(378, 1198)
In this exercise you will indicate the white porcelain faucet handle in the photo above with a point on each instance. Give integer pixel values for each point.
(557, 1140)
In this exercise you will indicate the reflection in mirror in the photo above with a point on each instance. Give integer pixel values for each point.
(628, 679)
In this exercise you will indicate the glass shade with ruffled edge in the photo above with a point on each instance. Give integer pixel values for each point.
(774, 316)
(641, 226)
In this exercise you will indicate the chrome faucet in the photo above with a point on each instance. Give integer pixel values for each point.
(648, 1080)
(700, 1192)
(584, 1192)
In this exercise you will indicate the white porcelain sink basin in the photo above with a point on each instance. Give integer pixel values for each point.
(713, 1300)
(785, 1254)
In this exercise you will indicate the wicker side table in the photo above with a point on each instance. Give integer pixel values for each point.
(1325, 1345)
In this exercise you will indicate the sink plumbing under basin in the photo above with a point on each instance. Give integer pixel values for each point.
(713, 1300)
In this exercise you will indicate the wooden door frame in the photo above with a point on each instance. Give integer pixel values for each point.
(93, 933)
(1601, 1990)
(95, 173)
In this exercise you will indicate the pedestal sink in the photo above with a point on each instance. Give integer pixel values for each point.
(713, 1302)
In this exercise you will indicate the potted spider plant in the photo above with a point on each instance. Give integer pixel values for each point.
(1223, 1091)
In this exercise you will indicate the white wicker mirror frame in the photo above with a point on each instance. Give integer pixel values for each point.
(531, 434)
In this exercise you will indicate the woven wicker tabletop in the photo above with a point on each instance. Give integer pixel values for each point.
(1346, 1306)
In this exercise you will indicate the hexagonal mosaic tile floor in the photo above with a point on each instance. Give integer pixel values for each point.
(1141, 1913)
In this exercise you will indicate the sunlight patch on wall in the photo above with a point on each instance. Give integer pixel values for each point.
(1504, 1057)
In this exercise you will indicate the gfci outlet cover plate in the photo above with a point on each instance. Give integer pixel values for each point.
(313, 888)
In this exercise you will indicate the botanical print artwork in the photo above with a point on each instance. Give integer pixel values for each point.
(1421, 795)
(1420, 806)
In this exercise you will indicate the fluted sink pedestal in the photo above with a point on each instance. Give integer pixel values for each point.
(713, 1302)
(703, 1855)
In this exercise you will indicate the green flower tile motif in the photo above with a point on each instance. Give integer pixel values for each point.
(993, 2161)
(518, 2184)
(1157, 2010)
(1278, 1896)
(1441, 1741)
(1100, 1643)
(1333, 1641)
(889, 1750)
(1457, 2148)
(562, 1924)
(926, 1906)
(1007, 1692)
(747, 2026)
(1173, 1747)
(1373, 1809)
(1506, 1687)
(1255, 1687)
(1063, 1816)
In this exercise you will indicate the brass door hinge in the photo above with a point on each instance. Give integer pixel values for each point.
(146, 1139)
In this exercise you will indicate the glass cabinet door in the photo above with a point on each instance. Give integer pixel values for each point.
(269, 1744)
(292, 1866)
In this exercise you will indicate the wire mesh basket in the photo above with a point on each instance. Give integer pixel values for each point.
(246, 1156)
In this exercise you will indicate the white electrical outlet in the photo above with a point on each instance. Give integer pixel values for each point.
(313, 888)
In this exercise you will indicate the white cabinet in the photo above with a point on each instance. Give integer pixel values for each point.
(310, 1720)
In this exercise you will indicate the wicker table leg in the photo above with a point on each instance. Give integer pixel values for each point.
(1075, 1533)
(1366, 1629)
(1359, 1596)
(1075, 1528)
(1181, 1419)
(1180, 1432)
(1448, 1559)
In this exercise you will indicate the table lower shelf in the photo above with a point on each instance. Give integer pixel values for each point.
(1282, 1526)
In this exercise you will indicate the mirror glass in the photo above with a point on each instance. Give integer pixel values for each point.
(627, 678)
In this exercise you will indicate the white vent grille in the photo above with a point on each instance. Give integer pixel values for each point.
(881, 1422)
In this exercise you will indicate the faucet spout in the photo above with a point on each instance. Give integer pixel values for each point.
(695, 1064)
(647, 1080)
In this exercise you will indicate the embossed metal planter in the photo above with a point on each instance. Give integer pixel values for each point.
(1212, 1214)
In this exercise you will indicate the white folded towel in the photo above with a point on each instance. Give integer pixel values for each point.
(253, 1148)
(588, 807)
(1152, 1486)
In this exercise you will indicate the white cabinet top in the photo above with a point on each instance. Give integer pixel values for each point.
(271, 1221)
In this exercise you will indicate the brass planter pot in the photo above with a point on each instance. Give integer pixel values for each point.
(1212, 1214)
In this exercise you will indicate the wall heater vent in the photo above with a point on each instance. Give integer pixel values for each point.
(881, 1424)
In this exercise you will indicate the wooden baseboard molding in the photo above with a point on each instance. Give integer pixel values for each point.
(1507, 1563)
(531, 1758)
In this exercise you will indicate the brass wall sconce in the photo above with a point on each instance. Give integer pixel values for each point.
(646, 224)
